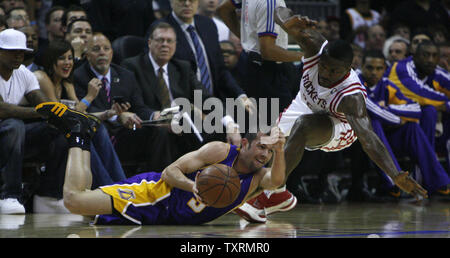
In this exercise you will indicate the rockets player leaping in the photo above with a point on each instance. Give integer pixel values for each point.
(329, 112)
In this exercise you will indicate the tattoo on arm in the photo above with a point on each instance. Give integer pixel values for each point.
(36, 97)
(354, 108)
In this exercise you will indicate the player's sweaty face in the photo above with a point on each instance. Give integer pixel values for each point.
(331, 70)
(260, 154)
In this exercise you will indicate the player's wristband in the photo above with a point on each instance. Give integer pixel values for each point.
(87, 103)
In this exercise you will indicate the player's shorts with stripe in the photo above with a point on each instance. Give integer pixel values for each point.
(342, 136)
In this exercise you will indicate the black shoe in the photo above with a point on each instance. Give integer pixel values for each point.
(68, 121)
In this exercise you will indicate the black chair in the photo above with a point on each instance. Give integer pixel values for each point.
(127, 46)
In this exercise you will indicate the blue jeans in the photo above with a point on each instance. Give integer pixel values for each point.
(19, 140)
(105, 164)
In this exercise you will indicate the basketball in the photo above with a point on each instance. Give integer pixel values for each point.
(218, 185)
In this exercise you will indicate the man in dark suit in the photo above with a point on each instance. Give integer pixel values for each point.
(131, 145)
(163, 79)
(198, 43)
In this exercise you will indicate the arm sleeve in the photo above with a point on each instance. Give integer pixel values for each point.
(265, 18)
(31, 82)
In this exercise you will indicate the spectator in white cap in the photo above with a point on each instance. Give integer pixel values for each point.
(23, 134)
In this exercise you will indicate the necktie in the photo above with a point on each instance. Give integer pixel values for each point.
(107, 88)
(163, 91)
(201, 59)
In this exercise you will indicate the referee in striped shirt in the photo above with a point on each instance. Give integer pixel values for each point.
(265, 43)
(268, 63)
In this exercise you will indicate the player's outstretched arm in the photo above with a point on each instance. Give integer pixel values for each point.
(275, 176)
(301, 28)
(353, 106)
(208, 154)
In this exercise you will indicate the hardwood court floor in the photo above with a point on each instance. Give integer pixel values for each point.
(430, 219)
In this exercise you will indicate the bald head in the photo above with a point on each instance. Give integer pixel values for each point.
(99, 53)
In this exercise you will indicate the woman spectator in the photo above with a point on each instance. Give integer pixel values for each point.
(56, 82)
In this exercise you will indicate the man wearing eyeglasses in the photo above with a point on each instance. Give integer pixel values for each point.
(197, 43)
(117, 84)
(163, 79)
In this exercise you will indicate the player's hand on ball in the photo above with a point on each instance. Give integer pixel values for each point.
(409, 185)
(195, 191)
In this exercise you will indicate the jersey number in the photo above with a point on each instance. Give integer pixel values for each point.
(197, 207)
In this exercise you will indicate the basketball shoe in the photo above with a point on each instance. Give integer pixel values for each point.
(268, 202)
(252, 211)
(67, 120)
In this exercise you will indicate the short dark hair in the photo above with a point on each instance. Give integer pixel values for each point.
(72, 8)
(160, 25)
(421, 30)
(425, 43)
(52, 10)
(340, 50)
(69, 27)
(373, 54)
(251, 136)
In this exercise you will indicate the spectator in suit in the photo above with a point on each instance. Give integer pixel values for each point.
(197, 39)
(178, 76)
(56, 81)
(22, 132)
(131, 145)
(208, 8)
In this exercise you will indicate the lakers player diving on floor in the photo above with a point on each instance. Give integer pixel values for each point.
(169, 197)
(329, 112)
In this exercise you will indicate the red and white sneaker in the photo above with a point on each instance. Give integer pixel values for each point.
(252, 211)
(257, 208)
(279, 200)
